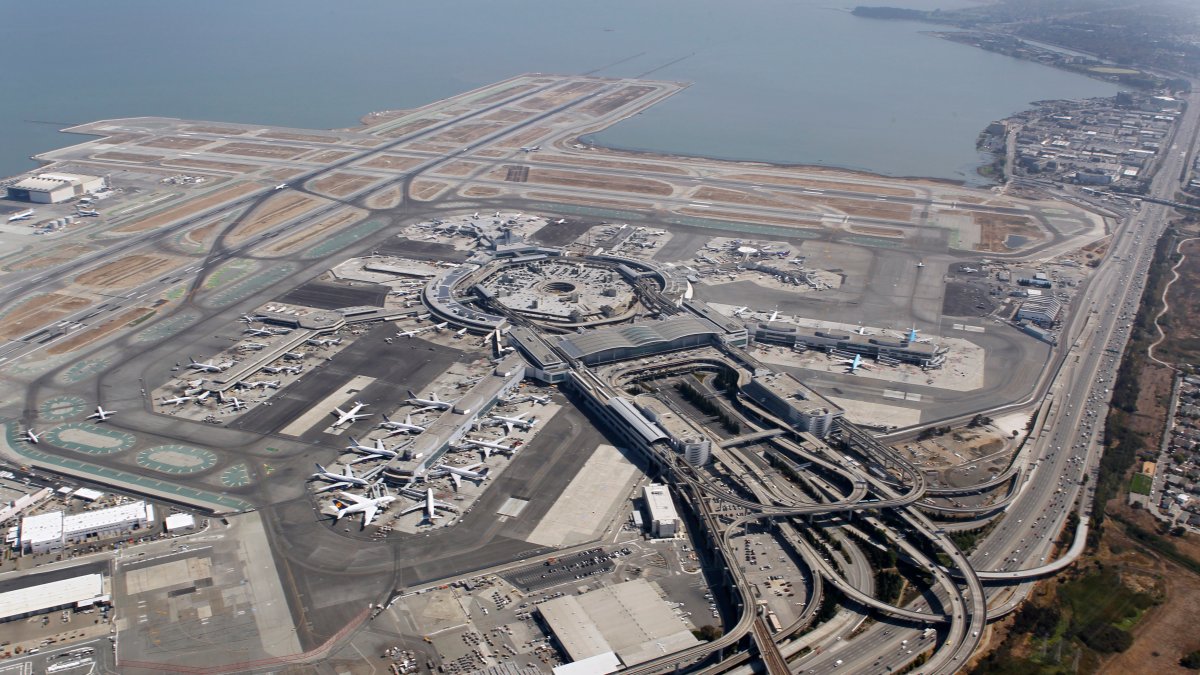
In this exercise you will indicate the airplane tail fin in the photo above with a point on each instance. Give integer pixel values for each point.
(321, 468)
(386, 419)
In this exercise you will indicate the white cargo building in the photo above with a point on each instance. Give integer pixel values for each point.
(81, 591)
(1043, 310)
(660, 510)
(49, 532)
(52, 188)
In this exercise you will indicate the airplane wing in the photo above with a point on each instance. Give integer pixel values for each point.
(419, 506)
(333, 486)
(509, 427)
(369, 513)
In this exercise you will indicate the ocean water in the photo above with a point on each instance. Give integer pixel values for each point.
(789, 81)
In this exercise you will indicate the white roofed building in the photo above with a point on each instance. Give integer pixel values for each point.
(81, 591)
(52, 188)
(662, 516)
(48, 532)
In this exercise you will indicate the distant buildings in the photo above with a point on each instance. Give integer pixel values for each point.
(50, 532)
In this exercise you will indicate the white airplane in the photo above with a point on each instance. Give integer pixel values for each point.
(861, 330)
(236, 403)
(920, 264)
(459, 334)
(911, 336)
(32, 436)
(178, 400)
(432, 403)
(457, 473)
(854, 364)
(515, 421)
(281, 186)
(774, 316)
(351, 415)
(439, 326)
(377, 451)
(740, 311)
(496, 214)
(23, 215)
(540, 400)
(970, 270)
(412, 333)
(323, 342)
(429, 505)
(259, 332)
(206, 367)
(101, 414)
(256, 346)
(87, 213)
(489, 447)
(344, 479)
(475, 216)
(531, 148)
(405, 427)
(203, 396)
(368, 506)
(560, 221)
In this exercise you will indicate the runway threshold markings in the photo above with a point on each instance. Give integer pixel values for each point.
(319, 413)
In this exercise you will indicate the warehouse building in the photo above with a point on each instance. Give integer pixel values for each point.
(660, 511)
(74, 592)
(1042, 310)
(630, 620)
(50, 532)
(52, 188)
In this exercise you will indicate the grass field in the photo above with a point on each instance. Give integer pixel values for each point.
(1140, 484)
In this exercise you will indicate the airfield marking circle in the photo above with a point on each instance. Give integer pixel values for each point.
(236, 476)
(167, 327)
(176, 459)
(62, 407)
(90, 439)
(344, 239)
(82, 370)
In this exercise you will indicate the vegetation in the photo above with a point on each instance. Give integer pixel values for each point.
(1040, 620)
(708, 632)
(1191, 660)
(1140, 484)
(888, 585)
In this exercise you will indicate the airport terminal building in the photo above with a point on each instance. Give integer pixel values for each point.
(879, 347)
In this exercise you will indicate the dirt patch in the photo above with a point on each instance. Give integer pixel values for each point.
(394, 162)
(869, 209)
(189, 208)
(272, 212)
(816, 184)
(739, 197)
(877, 231)
(318, 229)
(505, 93)
(234, 167)
(750, 218)
(477, 191)
(1183, 335)
(457, 168)
(128, 271)
(304, 138)
(385, 199)
(619, 98)
(461, 134)
(995, 228)
(284, 174)
(641, 186)
(341, 184)
(175, 143)
(330, 156)
(86, 337)
(612, 164)
(51, 257)
(524, 138)
(409, 127)
(39, 311)
(128, 157)
(260, 150)
(424, 190)
(202, 235)
(507, 115)
(216, 130)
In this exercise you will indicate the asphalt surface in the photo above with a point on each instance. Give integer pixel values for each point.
(324, 295)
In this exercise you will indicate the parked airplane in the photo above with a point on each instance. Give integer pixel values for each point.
(207, 367)
(235, 403)
(560, 221)
(405, 427)
(854, 364)
(457, 473)
(740, 311)
(178, 400)
(514, 421)
(531, 148)
(920, 264)
(367, 506)
(23, 215)
(496, 214)
(440, 326)
(861, 330)
(430, 506)
(911, 336)
(101, 414)
(259, 332)
(475, 216)
(774, 316)
(432, 403)
(87, 213)
(377, 451)
(412, 333)
(970, 270)
(351, 415)
(489, 447)
(32, 436)
(459, 334)
(323, 342)
(344, 479)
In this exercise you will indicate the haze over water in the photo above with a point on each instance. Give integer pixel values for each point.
(788, 81)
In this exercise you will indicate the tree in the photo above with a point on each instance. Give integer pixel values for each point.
(709, 632)
(1191, 660)
(1105, 638)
